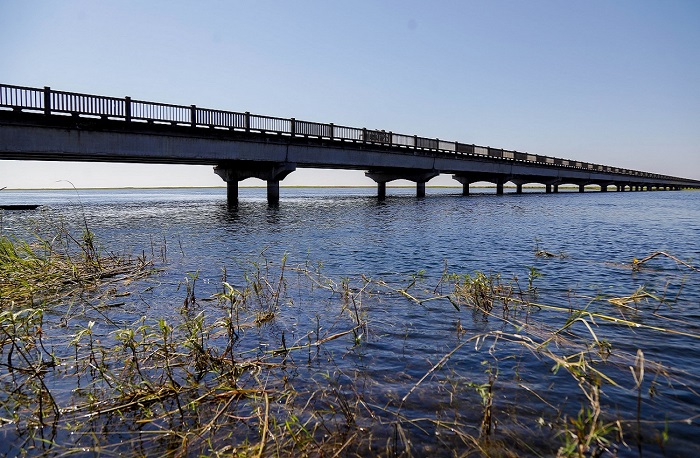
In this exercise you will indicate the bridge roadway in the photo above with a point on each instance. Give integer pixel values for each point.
(48, 125)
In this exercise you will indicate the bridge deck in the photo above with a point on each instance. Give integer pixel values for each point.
(43, 124)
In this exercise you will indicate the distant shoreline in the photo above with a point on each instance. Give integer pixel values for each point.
(263, 187)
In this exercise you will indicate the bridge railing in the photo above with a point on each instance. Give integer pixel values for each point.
(160, 112)
(218, 118)
(21, 98)
(352, 134)
(48, 101)
(84, 104)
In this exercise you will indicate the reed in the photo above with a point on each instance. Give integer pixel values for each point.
(225, 377)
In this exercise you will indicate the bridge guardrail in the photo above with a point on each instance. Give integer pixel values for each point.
(84, 104)
(161, 112)
(21, 97)
(219, 118)
(48, 101)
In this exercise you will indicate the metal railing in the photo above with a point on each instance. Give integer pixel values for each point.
(48, 101)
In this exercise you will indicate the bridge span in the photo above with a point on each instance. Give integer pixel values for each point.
(49, 125)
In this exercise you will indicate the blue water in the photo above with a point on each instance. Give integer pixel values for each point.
(351, 234)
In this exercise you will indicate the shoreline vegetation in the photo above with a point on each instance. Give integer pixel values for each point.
(80, 373)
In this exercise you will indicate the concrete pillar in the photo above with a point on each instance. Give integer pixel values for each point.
(555, 188)
(581, 188)
(465, 188)
(272, 172)
(381, 190)
(499, 188)
(519, 188)
(273, 192)
(382, 176)
(603, 188)
(548, 188)
(232, 192)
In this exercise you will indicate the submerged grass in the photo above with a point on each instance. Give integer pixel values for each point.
(528, 378)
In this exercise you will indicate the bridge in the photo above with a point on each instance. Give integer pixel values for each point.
(49, 125)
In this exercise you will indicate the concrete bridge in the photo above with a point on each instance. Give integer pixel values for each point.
(49, 125)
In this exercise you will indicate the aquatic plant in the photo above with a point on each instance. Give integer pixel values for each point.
(241, 371)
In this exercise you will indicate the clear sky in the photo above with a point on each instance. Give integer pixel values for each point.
(611, 82)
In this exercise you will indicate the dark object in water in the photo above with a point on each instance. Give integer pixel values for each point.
(19, 207)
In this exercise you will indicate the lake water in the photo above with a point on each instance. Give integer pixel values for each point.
(351, 234)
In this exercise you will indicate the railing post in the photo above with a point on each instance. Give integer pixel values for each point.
(127, 108)
(47, 100)
(247, 121)
(292, 126)
(364, 135)
(415, 142)
(193, 115)
(391, 138)
(331, 131)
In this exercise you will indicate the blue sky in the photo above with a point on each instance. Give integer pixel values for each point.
(611, 82)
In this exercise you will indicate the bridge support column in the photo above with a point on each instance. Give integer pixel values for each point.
(555, 188)
(466, 181)
(381, 190)
(420, 177)
(581, 188)
(273, 192)
(548, 188)
(272, 172)
(603, 188)
(499, 187)
(232, 191)
(518, 182)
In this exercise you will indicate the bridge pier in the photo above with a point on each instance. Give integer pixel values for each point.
(381, 190)
(232, 191)
(581, 188)
(518, 185)
(272, 172)
(273, 192)
(382, 177)
(466, 181)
